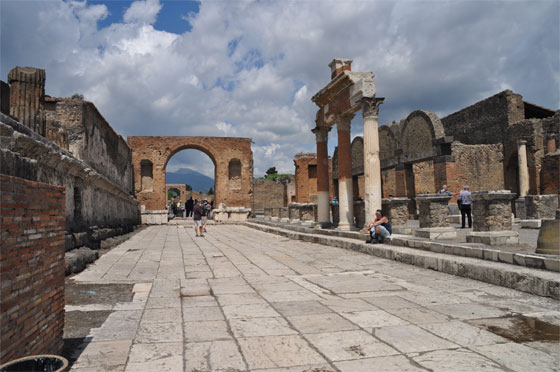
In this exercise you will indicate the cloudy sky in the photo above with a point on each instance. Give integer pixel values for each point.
(250, 68)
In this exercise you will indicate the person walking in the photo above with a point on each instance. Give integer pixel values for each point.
(465, 198)
(204, 211)
(380, 228)
(190, 206)
(197, 217)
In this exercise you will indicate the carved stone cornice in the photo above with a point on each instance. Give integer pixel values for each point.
(370, 106)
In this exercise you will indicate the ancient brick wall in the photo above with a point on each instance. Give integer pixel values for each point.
(232, 158)
(306, 178)
(389, 181)
(32, 216)
(77, 125)
(486, 121)
(478, 166)
(424, 177)
(267, 193)
(91, 198)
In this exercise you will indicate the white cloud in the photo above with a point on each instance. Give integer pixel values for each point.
(249, 68)
(142, 11)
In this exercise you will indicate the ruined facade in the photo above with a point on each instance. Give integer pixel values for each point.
(267, 194)
(66, 182)
(306, 178)
(232, 158)
(476, 146)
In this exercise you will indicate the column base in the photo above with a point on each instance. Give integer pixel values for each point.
(436, 233)
(493, 237)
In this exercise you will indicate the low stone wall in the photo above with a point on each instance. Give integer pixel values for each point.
(433, 210)
(32, 261)
(157, 217)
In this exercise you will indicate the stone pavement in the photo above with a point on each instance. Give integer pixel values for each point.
(244, 300)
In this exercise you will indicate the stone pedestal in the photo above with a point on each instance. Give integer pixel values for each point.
(492, 218)
(520, 209)
(549, 236)
(284, 214)
(275, 214)
(267, 213)
(360, 213)
(293, 213)
(157, 217)
(304, 213)
(541, 206)
(434, 217)
(231, 215)
(396, 210)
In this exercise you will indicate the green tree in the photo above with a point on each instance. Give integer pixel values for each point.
(170, 195)
(211, 191)
(271, 171)
(188, 187)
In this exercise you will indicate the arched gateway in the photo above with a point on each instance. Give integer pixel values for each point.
(232, 158)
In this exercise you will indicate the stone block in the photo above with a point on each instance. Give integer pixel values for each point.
(155, 217)
(492, 210)
(530, 224)
(436, 233)
(396, 209)
(541, 206)
(493, 237)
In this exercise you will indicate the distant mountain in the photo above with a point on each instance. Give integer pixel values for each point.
(187, 176)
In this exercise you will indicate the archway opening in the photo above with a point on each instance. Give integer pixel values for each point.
(190, 174)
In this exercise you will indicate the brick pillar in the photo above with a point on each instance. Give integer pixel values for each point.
(26, 97)
(346, 202)
(323, 195)
(523, 167)
(372, 164)
(445, 173)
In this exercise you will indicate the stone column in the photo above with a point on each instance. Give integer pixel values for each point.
(345, 190)
(492, 218)
(523, 168)
(372, 164)
(27, 92)
(323, 195)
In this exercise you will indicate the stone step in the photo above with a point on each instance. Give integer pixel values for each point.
(534, 281)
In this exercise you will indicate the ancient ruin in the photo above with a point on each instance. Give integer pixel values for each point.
(232, 158)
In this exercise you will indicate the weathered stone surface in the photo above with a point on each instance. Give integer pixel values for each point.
(492, 210)
(396, 209)
(77, 259)
(433, 210)
(549, 237)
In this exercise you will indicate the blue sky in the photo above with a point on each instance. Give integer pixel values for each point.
(249, 68)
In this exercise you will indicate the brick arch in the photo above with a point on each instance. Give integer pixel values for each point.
(420, 128)
(387, 142)
(221, 151)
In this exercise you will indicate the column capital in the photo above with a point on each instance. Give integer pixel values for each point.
(521, 142)
(321, 134)
(343, 121)
(370, 106)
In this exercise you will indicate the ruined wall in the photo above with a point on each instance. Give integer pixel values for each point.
(424, 177)
(306, 178)
(486, 121)
(267, 193)
(92, 200)
(478, 166)
(88, 136)
(389, 183)
(232, 158)
(32, 262)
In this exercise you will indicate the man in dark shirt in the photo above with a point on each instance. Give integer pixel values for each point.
(190, 205)
(197, 217)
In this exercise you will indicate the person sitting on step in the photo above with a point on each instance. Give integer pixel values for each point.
(379, 228)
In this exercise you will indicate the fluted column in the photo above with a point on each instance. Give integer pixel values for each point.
(345, 191)
(26, 97)
(372, 164)
(523, 168)
(323, 195)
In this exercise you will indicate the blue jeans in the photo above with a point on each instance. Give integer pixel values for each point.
(383, 233)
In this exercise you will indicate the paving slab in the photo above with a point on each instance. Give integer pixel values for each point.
(262, 302)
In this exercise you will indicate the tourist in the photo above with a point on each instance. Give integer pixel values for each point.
(379, 228)
(334, 200)
(445, 191)
(197, 217)
(190, 205)
(465, 199)
(204, 212)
